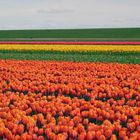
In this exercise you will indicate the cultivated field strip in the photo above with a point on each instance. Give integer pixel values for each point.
(49, 100)
(65, 48)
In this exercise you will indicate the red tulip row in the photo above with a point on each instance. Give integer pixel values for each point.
(74, 42)
(66, 100)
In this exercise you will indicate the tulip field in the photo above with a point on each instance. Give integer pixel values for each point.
(68, 48)
(69, 100)
(80, 51)
(91, 93)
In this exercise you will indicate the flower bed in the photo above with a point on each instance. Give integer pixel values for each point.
(71, 48)
(67, 100)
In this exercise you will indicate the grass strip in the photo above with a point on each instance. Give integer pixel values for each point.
(120, 57)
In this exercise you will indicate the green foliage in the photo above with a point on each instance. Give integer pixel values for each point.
(120, 57)
(94, 34)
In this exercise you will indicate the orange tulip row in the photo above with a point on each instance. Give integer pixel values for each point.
(65, 100)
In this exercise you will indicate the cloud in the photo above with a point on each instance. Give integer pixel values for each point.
(126, 20)
(55, 11)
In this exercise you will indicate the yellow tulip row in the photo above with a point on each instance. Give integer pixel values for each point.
(65, 48)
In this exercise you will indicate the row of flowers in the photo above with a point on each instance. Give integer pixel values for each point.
(66, 100)
(77, 48)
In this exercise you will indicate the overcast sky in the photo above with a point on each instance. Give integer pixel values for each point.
(37, 14)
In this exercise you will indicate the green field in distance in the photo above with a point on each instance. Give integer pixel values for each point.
(72, 34)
